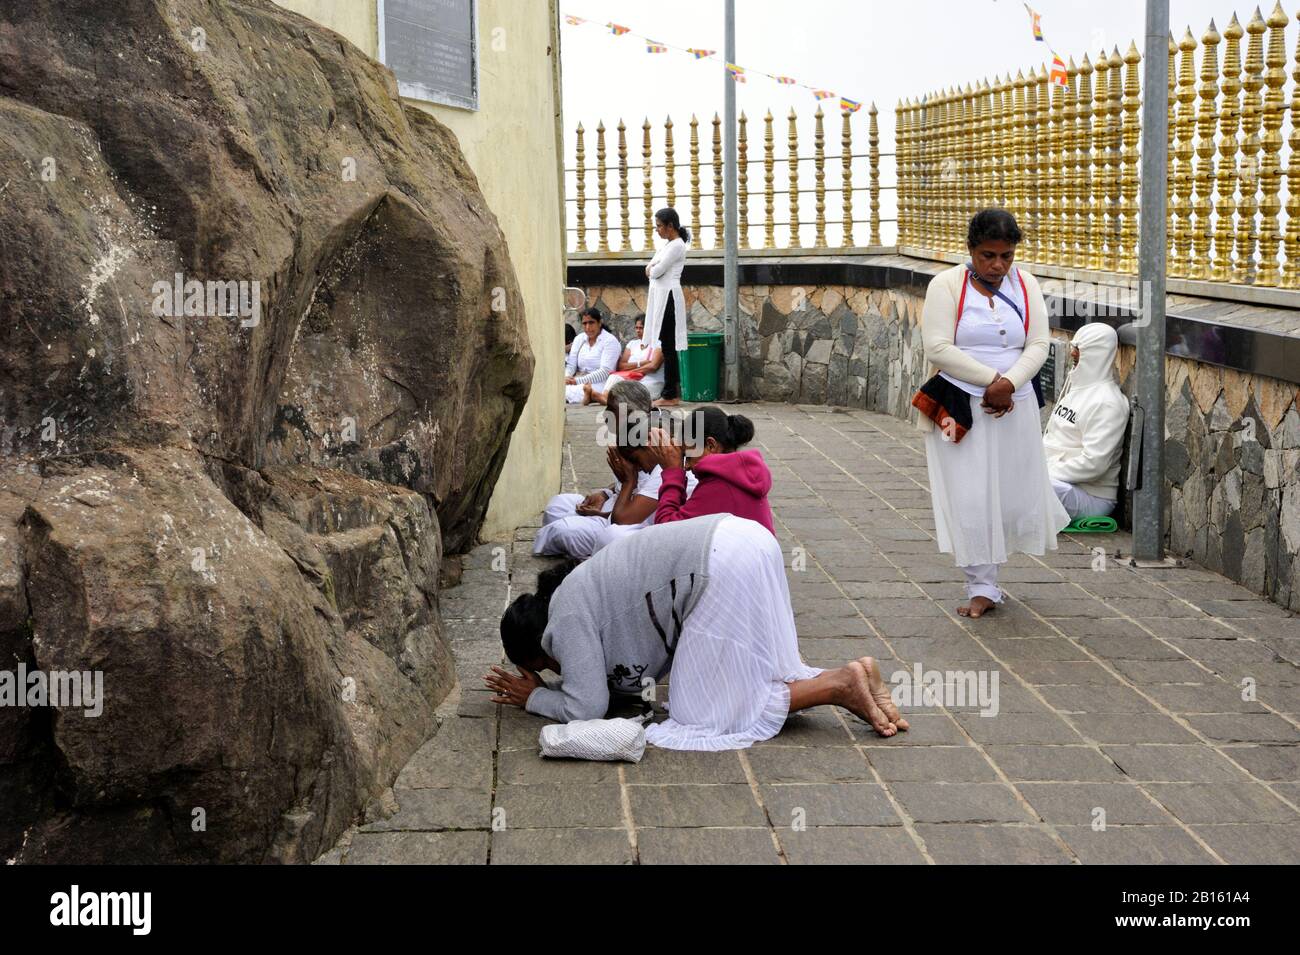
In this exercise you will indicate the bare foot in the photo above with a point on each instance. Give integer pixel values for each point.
(586, 393)
(858, 699)
(977, 607)
(880, 693)
(667, 402)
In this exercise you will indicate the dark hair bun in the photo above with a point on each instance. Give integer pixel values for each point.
(551, 578)
(742, 429)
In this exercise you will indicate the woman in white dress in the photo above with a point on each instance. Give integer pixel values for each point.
(592, 356)
(706, 599)
(665, 305)
(642, 361)
(984, 327)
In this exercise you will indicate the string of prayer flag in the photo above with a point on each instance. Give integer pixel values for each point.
(738, 73)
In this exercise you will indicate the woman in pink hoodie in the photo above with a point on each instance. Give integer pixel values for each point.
(730, 481)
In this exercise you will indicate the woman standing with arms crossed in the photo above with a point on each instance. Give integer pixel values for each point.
(984, 327)
(665, 306)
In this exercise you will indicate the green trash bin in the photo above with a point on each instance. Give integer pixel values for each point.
(701, 366)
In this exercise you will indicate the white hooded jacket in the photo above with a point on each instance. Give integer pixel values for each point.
(1085, 433)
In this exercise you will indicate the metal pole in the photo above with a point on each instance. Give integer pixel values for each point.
(1148, 500)
(731, 297)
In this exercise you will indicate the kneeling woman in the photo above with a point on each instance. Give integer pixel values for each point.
(704, 598)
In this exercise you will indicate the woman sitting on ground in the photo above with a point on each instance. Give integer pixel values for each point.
(730, 481)
(706, 599)
(575, 526)
(641, 361)
(592, 356)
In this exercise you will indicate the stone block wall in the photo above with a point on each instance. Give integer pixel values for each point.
(1232, 442)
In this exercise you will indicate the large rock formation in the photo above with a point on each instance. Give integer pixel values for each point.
(233, 506)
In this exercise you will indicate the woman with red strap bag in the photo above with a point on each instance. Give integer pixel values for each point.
(985, 332)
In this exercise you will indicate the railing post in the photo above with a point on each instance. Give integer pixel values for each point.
(793, 162)
(1182, 203)
(580, 174)
(873, 157)
(769, 183)
(602, 211)
(647, 181)
(1202, 228)
(1056, 160)
(1291, 273)
(819, 177)
(1114, 135)
(625, 224)
(846, 175)
(1271, 172)
(1252, 102)
(718, 212)
(1225, 202)
(1171, 124)
(1101, 143)
(1083, 166)
(695, 177)
(1128, 183)
(670, 164)
(742, 193)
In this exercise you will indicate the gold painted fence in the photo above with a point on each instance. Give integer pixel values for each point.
(615, 224)
(1065, 160)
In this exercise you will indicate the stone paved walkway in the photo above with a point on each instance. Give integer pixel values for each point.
(1120, 692)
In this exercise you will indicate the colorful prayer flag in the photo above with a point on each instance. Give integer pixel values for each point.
(1036, 22)
(1058, 74)
(822, 94)
(617, 30)
(737, 72)
(651, 46)
(700, 54)
(574, 21)
(783, 80)
(849, 105)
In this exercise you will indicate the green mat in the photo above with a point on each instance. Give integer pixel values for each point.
(1091, 525)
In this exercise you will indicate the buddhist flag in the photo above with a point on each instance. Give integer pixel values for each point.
(700, 54)
(783, 80)
(617, 30)
(653, 46)
(822, 94)
(737, 72)
(1035, 22)
(574, 21)
(1058, 74)
(849, 106)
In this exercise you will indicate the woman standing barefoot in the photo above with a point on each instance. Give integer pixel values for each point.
(984, 327)
(665, 305)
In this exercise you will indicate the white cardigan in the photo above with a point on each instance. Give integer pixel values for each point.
(939, 327)
(665, 280)
(595, 362)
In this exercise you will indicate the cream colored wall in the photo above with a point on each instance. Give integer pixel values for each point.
(511, 144)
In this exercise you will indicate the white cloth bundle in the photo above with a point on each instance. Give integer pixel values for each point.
(607, 740)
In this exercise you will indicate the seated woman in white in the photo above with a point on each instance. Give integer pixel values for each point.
(592, 356)
(641, 361)
(706, 599)
(1085, 432)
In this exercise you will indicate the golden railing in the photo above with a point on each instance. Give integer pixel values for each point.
(1065, 160)
(758, 224)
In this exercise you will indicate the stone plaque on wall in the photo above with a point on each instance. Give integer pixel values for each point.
(432, 48)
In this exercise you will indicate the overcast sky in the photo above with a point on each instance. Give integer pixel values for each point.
(880, 50)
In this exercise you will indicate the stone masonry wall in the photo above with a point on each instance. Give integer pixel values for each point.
(1232, 446)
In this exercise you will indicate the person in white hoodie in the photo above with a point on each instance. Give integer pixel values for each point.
(1085, 432)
